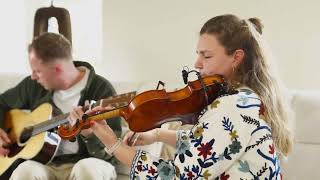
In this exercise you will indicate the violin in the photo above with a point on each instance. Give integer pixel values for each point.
(151, 109)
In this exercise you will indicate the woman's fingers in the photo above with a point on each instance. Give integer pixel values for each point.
(135, 140)
(127, 137)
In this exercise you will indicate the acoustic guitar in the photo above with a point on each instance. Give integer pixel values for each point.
(31, 137)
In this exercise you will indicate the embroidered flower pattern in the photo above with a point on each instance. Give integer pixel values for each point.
(166, 171)
(262, 111)
(214, 104)
(183, 147)
(198, 132)
(205, 149)
(233, 135)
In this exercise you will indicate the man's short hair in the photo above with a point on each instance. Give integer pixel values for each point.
(51, 46)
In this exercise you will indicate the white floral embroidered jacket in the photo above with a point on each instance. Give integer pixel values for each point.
(230, 141)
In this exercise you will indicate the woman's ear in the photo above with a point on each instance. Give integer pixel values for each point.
(238, 57)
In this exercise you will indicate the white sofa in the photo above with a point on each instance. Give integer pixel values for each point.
(304, 160)
(301, 164)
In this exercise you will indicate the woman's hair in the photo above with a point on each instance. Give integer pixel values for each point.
(255, 71)
(51, 46)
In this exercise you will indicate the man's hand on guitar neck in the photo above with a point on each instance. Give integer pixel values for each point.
(75, 115)
(4, 140)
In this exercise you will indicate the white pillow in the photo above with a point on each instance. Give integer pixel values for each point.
(306, 105)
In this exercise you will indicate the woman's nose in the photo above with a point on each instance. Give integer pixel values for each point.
(198, 63)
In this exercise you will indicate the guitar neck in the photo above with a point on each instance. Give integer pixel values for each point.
(116, 102)
(50, 124)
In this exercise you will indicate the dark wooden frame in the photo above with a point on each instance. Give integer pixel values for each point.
(44, 14)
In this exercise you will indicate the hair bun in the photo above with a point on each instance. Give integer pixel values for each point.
(257, 24)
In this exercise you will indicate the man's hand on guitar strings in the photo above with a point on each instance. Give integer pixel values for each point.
(4, 140)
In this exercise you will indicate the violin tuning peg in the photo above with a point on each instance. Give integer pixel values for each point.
(84, 117)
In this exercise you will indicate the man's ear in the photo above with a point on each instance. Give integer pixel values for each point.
(238, 57)
(57, 68)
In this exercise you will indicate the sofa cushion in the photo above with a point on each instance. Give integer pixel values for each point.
(302, 162)
(9, 80)
(306, 105)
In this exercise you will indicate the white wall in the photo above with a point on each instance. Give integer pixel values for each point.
(12, 37)
(86, 25)
(16, 31)
(152, 39)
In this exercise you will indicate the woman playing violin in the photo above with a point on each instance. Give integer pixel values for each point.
(241, 136)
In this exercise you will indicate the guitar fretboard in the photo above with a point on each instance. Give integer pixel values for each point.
(50, 124)
(117, 101)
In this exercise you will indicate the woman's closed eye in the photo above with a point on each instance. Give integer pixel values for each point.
(207, 55)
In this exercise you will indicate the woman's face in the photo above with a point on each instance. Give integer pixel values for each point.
(212, 58)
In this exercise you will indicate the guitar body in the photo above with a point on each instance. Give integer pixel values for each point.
(41, 147)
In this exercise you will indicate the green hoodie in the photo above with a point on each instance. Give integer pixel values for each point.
(29, 94)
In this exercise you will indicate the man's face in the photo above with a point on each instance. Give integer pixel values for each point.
(43, 73)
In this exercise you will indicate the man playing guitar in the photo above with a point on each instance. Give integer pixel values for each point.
(58, 80)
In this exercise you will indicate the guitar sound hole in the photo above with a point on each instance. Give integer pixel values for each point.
(26, 134)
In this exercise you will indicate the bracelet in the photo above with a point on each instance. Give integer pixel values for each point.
(113, 147)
